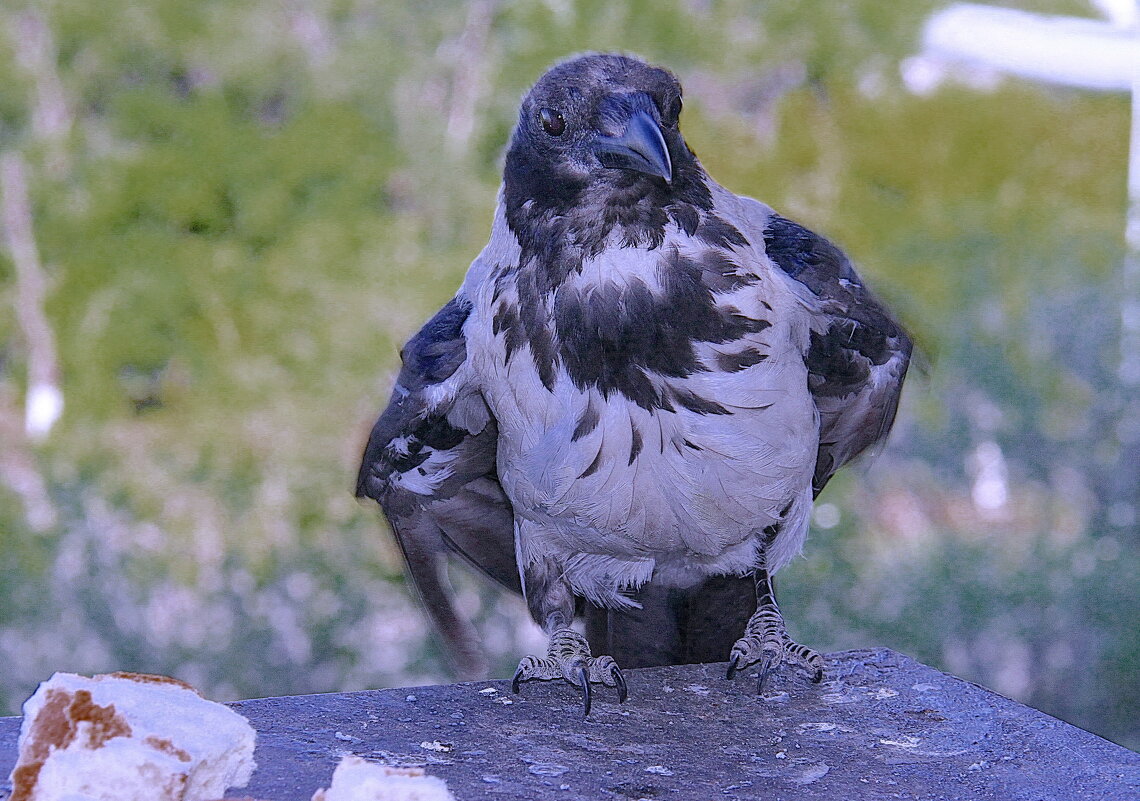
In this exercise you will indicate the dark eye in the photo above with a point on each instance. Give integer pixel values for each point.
(552, 121)
(674, 110)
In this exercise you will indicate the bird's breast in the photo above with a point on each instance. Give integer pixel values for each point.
(654, 403)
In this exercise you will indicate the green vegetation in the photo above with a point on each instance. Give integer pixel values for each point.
(242, 209)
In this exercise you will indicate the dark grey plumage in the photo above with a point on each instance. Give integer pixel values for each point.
(635, 395)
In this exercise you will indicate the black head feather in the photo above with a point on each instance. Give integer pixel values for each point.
(597, 146)
(597, 161)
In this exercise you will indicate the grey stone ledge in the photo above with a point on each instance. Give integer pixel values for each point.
(880, 726)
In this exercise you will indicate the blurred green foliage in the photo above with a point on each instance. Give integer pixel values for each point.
(250, 205)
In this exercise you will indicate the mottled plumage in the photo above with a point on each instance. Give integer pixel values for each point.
(636, 393)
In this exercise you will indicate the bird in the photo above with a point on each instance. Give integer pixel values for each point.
(628, 408)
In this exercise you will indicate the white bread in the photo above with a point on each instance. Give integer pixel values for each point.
(128, 737)
(356, 779)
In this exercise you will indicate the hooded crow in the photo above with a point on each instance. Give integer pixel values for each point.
(629, 406)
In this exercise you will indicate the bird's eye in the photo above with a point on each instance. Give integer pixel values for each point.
(674, 109)
(552, 121)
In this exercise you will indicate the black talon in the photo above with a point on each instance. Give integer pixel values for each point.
(765, 669)
(587, 695)
(623, 691)
(732, 665)
(515, 681)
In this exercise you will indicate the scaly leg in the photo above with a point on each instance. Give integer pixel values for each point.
(765, 640)
(568, 654)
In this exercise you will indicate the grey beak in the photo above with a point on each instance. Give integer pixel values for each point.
(641, 147)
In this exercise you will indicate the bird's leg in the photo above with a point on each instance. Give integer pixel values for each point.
(568, 656)
(765, 639)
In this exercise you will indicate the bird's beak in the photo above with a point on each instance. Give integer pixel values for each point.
(641, 147)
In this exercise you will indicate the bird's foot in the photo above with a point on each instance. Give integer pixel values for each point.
(766, 642)
(568, 657)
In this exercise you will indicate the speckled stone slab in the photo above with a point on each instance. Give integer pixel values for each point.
(880, 726)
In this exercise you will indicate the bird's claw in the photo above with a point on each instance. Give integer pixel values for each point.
(765, 669)
(771, 648)
(587, 694)
(622, 688)
(569, 658)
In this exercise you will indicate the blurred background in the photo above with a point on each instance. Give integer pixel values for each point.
(222, 219)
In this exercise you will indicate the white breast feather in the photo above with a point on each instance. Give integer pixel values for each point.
(678, 512)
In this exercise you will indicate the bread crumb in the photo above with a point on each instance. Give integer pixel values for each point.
(128, 737)
(357, 779)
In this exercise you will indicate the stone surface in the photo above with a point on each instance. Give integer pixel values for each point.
(880, 726)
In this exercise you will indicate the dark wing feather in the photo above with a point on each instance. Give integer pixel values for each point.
(432, 469)
(857, 362)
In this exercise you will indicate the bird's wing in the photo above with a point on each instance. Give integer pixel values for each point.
(858, 355)
(430, 463)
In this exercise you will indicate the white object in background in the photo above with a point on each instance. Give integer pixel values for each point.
(1071, 51)
(968, 40)
(43, 407)
(1121, 13)
(44, 402)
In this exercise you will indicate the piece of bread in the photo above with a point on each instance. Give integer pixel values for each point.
(356, 779)
(128, 737)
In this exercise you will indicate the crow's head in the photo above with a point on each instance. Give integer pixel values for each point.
(597, 113)
(597, 132)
